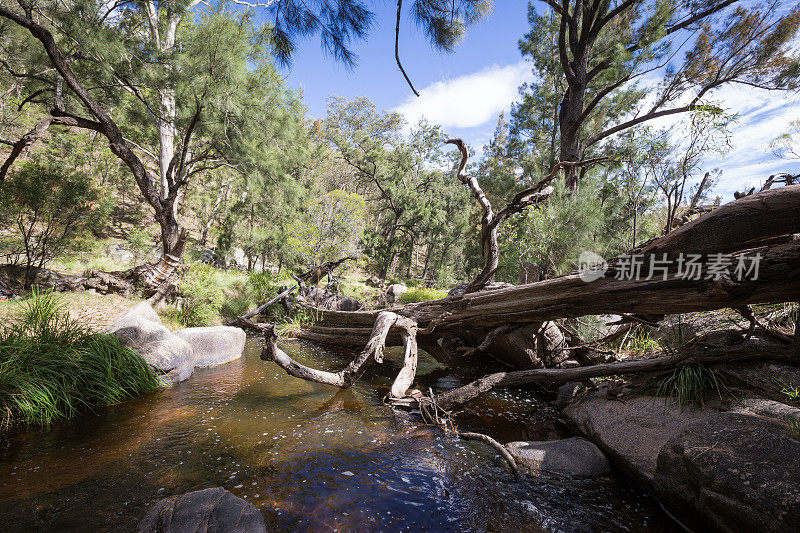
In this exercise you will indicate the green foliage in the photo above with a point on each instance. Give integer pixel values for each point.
(641, 342)
(51, 367)
(422, 294)
(262, 285)
(201, 296)
(791, 391)
(554, 235)
(689, 384)
(140, 243)
(289, 325)
(49, 208)
(330, 228)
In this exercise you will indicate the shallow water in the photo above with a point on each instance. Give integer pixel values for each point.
(309, 457)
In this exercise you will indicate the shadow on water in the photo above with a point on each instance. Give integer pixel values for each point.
(309, 457)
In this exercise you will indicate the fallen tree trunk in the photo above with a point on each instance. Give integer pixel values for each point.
(570, 296)
(763, 226)
(753, 349)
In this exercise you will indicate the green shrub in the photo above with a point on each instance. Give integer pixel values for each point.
(51, 367)
(422, 294)
(202, 296)
(237, 300)
(262, 285)
(791, 391)
(689, 384)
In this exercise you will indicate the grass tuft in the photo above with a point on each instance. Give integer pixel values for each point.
(51, 367)
(689, 384)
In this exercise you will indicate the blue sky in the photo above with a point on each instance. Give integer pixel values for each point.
(466, 90)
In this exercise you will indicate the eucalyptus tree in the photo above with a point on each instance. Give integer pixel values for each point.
(96, 56)
(605, 48)
(230, 106)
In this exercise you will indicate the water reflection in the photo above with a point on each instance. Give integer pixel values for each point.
(311, 458)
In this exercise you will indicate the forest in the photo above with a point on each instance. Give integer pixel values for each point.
(227, 306)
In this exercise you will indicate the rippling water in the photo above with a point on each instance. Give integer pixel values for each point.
(309, 457)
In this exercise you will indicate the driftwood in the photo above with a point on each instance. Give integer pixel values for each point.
(752, 349)
(315, 274)
(372, 352)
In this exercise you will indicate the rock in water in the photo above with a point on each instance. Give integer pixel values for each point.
(733, 472)
(214, 345)
(140, 329)
(574, 457)
(631, 434)
(209, 511)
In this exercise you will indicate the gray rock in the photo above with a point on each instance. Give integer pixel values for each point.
(394, 292)
(631, 434)
(568, 392)
(574, 456)
(141, 310)
(210, 511)
(766, 376)
(767, 408)
(535, 346)
(140, 330)
(214, 345)
(732, 472)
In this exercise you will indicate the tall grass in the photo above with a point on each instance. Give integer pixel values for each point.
(52, 367)
(689, 384)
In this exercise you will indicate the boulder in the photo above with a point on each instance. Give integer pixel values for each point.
(324, 299)
(574, 457)
(394, 292)
(568, 392)
(732, 472)
(631, 434)
(766, 376)
(140, 330)
(534, 346)
(767, 408)
(141, 310)
(214, 345)
(210, 511)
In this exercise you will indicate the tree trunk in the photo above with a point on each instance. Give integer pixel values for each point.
(761, 223)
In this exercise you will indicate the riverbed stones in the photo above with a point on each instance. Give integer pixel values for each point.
(140, 329)
(731, 472)
(214, 510)
(215, 345)
(573, 457)
(631, 434)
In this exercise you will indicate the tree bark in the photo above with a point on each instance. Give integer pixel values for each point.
(754, 349)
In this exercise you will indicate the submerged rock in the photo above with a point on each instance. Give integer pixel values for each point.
(209, 511)
(574, 456)
(214, 345)
(140, 329)
(732, 472)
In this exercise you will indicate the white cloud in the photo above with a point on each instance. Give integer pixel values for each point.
(467, 101)
(762, 116)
